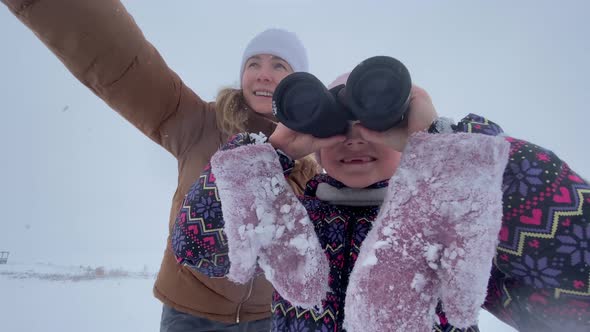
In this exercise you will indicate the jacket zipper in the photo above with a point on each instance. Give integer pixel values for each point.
(244, 300)
(347, 253)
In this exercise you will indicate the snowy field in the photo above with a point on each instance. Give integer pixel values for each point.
(50, 297)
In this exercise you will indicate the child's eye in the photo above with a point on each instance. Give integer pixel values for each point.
(253, 65)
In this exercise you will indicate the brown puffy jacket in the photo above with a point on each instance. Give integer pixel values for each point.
(99, 42)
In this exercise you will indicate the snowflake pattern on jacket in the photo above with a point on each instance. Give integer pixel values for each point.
(540, 275)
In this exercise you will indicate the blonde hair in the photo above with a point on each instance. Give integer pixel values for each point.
(231, 111)
(232, 115)
(304, 169)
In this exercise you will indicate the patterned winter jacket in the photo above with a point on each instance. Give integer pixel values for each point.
(540, 275)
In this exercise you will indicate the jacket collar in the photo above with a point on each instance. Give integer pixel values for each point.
(328, 189)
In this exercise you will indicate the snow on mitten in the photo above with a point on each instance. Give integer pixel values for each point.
(270, 223)
(441, 183)
(470, 203)
(294, 262)
(236, 178)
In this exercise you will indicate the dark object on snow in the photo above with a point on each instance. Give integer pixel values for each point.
(376, 93)
(4, 257)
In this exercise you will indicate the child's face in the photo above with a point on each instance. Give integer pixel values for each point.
(358, 163)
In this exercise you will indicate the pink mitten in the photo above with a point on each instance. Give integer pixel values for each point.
(419, 241)
(471, 206)
(264, 220)
(235, 176)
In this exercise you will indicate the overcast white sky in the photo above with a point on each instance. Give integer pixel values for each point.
(79, 184)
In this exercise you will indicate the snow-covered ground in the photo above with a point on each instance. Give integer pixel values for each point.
(50, 297)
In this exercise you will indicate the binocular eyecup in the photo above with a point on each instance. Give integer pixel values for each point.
(376, 93)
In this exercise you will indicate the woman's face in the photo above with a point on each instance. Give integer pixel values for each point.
(262, 74)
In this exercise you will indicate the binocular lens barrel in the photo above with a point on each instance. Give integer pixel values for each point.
(377, 93)
(302, 103)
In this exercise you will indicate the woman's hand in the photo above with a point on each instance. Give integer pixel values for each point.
(297, 145)
(421, 115)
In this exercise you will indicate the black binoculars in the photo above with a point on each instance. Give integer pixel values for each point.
(376, 93)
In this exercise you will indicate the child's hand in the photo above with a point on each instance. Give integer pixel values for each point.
(297, 145)
(420, 116)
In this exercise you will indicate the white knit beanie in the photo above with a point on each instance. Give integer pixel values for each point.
(277, 42)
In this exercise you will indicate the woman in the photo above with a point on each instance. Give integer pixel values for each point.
(99, 42)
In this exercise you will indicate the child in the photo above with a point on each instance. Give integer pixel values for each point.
(436, 229)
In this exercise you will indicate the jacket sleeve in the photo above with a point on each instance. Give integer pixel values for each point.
(541, 274)
(101, 45)
(198, 237)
